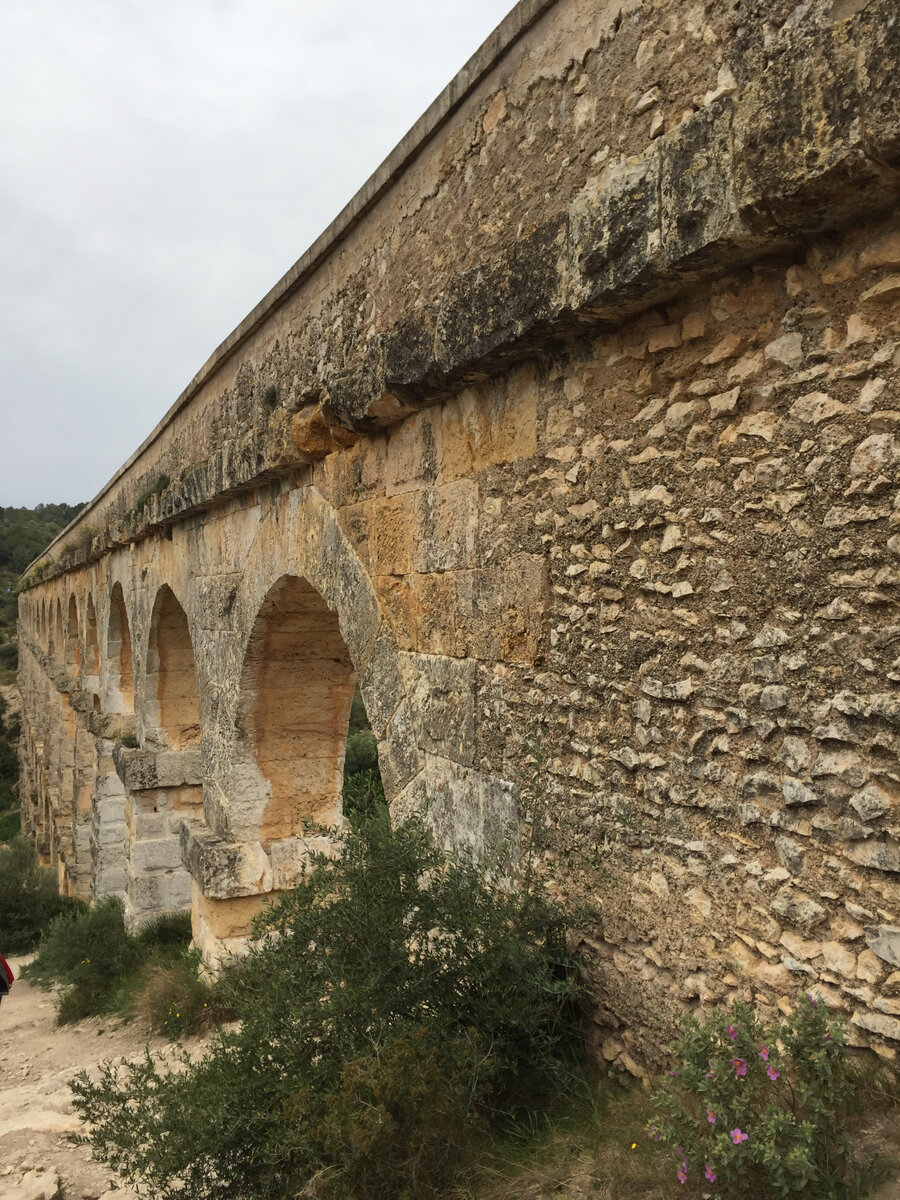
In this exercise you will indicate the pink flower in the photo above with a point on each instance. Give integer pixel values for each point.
(737, 1137)
(731, 1031)
(764, 1053)
(710, 1116)
(653, 1133)
(772, 1073)
(812, 999)
(740, 1067)
(710, 1174)
(682, 1175)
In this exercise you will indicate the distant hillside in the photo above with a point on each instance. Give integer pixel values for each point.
(24, 533)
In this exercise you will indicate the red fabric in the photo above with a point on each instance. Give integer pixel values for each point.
(7, 969)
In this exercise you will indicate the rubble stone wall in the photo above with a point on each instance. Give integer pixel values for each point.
(580, 439)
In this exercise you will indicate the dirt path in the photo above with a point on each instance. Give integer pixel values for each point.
(37, 1060)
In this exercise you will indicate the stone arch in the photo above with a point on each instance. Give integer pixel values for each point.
(173, 703)
(73, 640)
(119, 697)
(91, 660)
(296, 689)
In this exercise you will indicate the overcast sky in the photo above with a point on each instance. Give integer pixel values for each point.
(162, 164)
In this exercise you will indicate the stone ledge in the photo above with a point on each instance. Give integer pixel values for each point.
(145, 770)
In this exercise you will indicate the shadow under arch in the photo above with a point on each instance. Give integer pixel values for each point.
(296, 689)
(73, 641)
(173, 703)
(119, 690)
(91, 658)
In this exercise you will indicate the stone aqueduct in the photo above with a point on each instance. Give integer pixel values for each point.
(582, 418)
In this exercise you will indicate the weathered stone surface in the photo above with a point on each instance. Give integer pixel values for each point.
(580, 423)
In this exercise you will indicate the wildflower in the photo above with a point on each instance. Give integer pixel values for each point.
(634, 1145)
(737, 1137)
(710, 1173)
(710, 1116)
(812, 999)
(653, 1133)
(731, 1031)
(740, 1067)
(772, 1073)
(764, 1053)
(682, 1171)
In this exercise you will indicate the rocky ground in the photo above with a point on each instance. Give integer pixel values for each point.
(37, 1060)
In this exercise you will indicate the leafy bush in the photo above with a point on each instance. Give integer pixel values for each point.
(91, 952)
(393, 1005)
(760, 1110)
(363, 795)
(362, 752)
(29, 897)
(103, 968)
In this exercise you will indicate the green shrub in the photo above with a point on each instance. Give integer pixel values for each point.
(105, 969)
(363, 795)
(29, 897)
(10, 825)
(759, 1110)
(393, 1005)
(362, 752)
(91, 952)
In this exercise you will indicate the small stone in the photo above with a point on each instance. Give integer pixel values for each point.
(884, 292)
(875, 454)
(798, 909)
(724, 402)
(884, 1026)
(795, 754)
(787, 350)
(868, 397)
(729, 347)
(858, 331)
(816, 407)
(884, 940)
(760, 424)
(774, 696)
(790, 854)
(880, 856)
(796, 793)
(839, 959)
(651, 97)
(799, 947)
(681, 415)
(871, 802)
(868, 967)
(672, 539)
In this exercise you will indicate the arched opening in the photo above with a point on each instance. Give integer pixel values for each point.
(120, 673)
(174, 706)
(59, 640)
(73, 643)
(91, 662)
(296, 690)
(43, 624)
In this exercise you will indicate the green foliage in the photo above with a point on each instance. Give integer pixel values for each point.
(394, 1006)
(9, 774)
(363, 791)
(91, 953)
(363, 794)
(129, 741)
(29, 898)
(761, 1108)
(101, 966)
(362, 752)
(24, 533)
